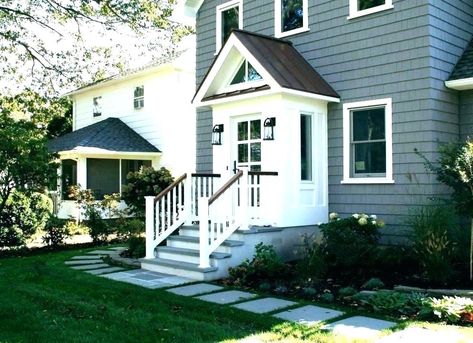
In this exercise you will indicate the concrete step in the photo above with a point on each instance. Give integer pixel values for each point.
(193, 231)
(189, 242)
(179, 268)
(188, 255)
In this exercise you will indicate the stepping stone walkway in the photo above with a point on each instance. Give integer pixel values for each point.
(227, 297)
(359, 327)
(148, 279)
(86, 257)
(77, 262)
(196, 289)
(91, 266)
(309, 315)
(92, 263)
(264, 305)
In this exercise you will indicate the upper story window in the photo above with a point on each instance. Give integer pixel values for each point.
(245, 73)
(97, 106)
(291, 17)
(229, 17)
(367, 142)
(360, 8)
(139, 97)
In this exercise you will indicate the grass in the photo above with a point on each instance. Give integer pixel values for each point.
(42, 300)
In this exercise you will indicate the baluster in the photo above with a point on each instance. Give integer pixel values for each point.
(163, 215)
(174, 203)
(168, 212)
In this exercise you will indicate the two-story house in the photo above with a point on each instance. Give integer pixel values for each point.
(140, 118)
(318, 106)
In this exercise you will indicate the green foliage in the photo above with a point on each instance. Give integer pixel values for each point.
(266, 266)
(146, 181)
(450, 309)
(134, 227)
(349, 246)
(327, 298)
(346, 292)
(136, 247)
(373, 284)
(312, 263)
(434, 237)
(395, 303)
(55, 232)
(22, 217)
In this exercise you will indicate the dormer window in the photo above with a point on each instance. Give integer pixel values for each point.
(229, 17)
(97, 106)
(291, 17)
(139, 97)
(360, 8)
(246, 73)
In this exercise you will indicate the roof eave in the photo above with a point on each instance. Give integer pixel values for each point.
(98, 151)
(460, 84)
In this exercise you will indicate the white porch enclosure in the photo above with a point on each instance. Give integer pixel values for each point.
(203, 216)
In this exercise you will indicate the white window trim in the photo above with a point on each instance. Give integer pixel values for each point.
(354, 13)
(219, 10)
(347, 108)
(277, 17)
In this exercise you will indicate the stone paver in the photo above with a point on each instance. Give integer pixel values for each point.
(420, 335)
(148, 279)
(90, 266)
(77, 262)
(308, 315)
(191, 290)
(359, 327)
(104, 270)
(86, 257)
(102, 252)
(264, 305)
(119, 249)
(226, 297)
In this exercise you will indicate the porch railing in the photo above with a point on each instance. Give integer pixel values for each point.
(174, 206)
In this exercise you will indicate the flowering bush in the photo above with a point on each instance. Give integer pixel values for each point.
(349, 245)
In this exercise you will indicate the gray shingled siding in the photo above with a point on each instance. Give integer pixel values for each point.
(377, 56)
(466, 114)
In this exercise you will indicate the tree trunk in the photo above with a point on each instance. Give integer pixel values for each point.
(471, 249)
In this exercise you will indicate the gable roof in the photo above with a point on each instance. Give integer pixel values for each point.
(280, 61)
(110, 134)
(464, 67)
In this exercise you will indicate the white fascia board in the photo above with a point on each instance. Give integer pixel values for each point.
(82, 151)
(461, 84)
(235, 98)
(232, 42)
(310, 95)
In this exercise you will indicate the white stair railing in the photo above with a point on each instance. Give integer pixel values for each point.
(203, 185)
(222, 214)
(166, 212)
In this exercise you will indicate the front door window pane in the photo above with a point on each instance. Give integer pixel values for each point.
(255, 129)
(255, 149)
(366, 4)
(243, 131)
(242, 153)
(291, 15)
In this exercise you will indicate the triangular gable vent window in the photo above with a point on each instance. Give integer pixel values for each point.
(245, 73)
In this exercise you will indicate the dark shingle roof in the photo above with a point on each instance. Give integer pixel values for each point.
(110, 134)
(464, 67)
(284, 63)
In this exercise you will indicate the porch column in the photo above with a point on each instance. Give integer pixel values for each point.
(82, 172)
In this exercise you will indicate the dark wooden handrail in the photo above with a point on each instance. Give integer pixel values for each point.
(170, 187)
(226, 186)
(205, 175)
(263, 173)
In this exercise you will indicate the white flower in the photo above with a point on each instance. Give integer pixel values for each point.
(373, 216)
(333, 216)
(362, 221)
(356, 216)
(319, 223)
(373, 222)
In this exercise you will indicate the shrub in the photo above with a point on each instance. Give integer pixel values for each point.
(23, 217)
(395, 303)
(346, 292)
(434, 233)
(266, 266)
(98, 227)
(450, 309)
(373, 284)
(56, 232)
(146, 181)
(311, 265)
(349, 246)
(136, 247)
(127, 228)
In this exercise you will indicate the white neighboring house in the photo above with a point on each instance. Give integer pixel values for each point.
(143, 117)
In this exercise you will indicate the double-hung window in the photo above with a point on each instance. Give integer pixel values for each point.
(229, 17)
(367, 142)
(97, 106)
(360, 8)
(139, 97)
(291, 17)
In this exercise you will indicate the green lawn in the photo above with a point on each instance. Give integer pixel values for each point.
(42, 300)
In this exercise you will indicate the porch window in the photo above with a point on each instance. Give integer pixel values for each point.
(246, 73)
(368, 142)
(97, 106)
(306, 147)
(103, 176)
(291, 17)
(363, 7)
(229, 17)
(129, 166)
(139, 97)
(68, 177)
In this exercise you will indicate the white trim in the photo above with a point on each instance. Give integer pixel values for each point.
(277, 20)
(310, 95)
(354, 13)
(461, 84)
(218, 14)
(81, 151)
(347, 108)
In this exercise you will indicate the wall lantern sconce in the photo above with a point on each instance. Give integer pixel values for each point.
(268, 129)
(217, 134)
